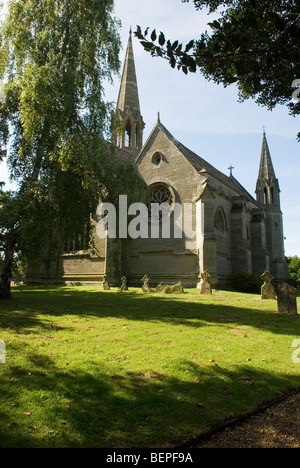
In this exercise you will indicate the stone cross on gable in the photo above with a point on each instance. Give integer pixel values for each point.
(231, 169)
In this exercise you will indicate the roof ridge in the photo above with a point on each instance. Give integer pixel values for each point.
(200, 163)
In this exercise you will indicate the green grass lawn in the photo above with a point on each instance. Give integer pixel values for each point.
(92, 368)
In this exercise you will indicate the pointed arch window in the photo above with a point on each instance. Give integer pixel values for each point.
(137, 136)
(128, 134)
(220, 220)
(160, 202)
(265, 196)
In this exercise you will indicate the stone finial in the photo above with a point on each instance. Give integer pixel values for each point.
(287, 299)
(267, 289)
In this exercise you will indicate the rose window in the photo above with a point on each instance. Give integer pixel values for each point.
(161, 199)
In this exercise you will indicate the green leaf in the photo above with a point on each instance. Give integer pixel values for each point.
(172, 61)
(231, 79)
(185, 70)
(215, 25)
(138, 32)
(189, 46)
(147, 45)
(161, 39)
(153, 35)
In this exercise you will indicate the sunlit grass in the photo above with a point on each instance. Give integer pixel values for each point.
(92, 368)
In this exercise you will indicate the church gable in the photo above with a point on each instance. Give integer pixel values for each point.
(162, 161)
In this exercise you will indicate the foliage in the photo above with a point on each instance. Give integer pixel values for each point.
(55, 57)
(254, 43)
(245, 282)
(294, 271)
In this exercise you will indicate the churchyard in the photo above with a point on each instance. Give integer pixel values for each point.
(86, 367)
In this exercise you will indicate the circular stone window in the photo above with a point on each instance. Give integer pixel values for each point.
(160, 202)
(157, 158)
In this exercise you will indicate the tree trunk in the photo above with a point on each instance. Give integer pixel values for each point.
(5, 291)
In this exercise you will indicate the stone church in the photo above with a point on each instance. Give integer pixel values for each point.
(233, 230)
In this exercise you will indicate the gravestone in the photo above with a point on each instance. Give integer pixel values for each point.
(177, 288)
(168, 289)
(160, 287)
(205, 286)
(287, 299)
(145, 287)
(267, 289)
(124, 286)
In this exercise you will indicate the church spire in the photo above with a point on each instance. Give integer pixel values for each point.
(128, 106)
(266, 169)
(267, 189)
(128, 95)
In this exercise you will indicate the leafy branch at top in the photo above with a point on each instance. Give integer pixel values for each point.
(254, 43)
(177, 54)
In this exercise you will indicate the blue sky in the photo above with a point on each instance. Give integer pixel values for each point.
(205, 117)
(208, 118)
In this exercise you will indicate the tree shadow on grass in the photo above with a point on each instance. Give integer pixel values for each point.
(44, 404)
(51, 407)
(29, 304)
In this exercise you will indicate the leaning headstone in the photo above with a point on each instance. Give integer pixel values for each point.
(168, 289)
(287, 299)
(124, 286)
(267, 289)
(146, 287)
(160, 287)
(177, 288)
(205, 286)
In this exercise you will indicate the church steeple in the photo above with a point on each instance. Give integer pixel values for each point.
(267, 188)
(268, 196)
(130, 123)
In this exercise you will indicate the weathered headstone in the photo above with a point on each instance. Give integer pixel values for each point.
(160, 287)
(177, 288)
(124, 286)
(168, 289)
(287, 299)
(146, 287)
(205, 286)
(267, 289)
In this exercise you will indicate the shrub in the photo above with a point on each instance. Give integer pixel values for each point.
(294, 271)
(245, 282)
